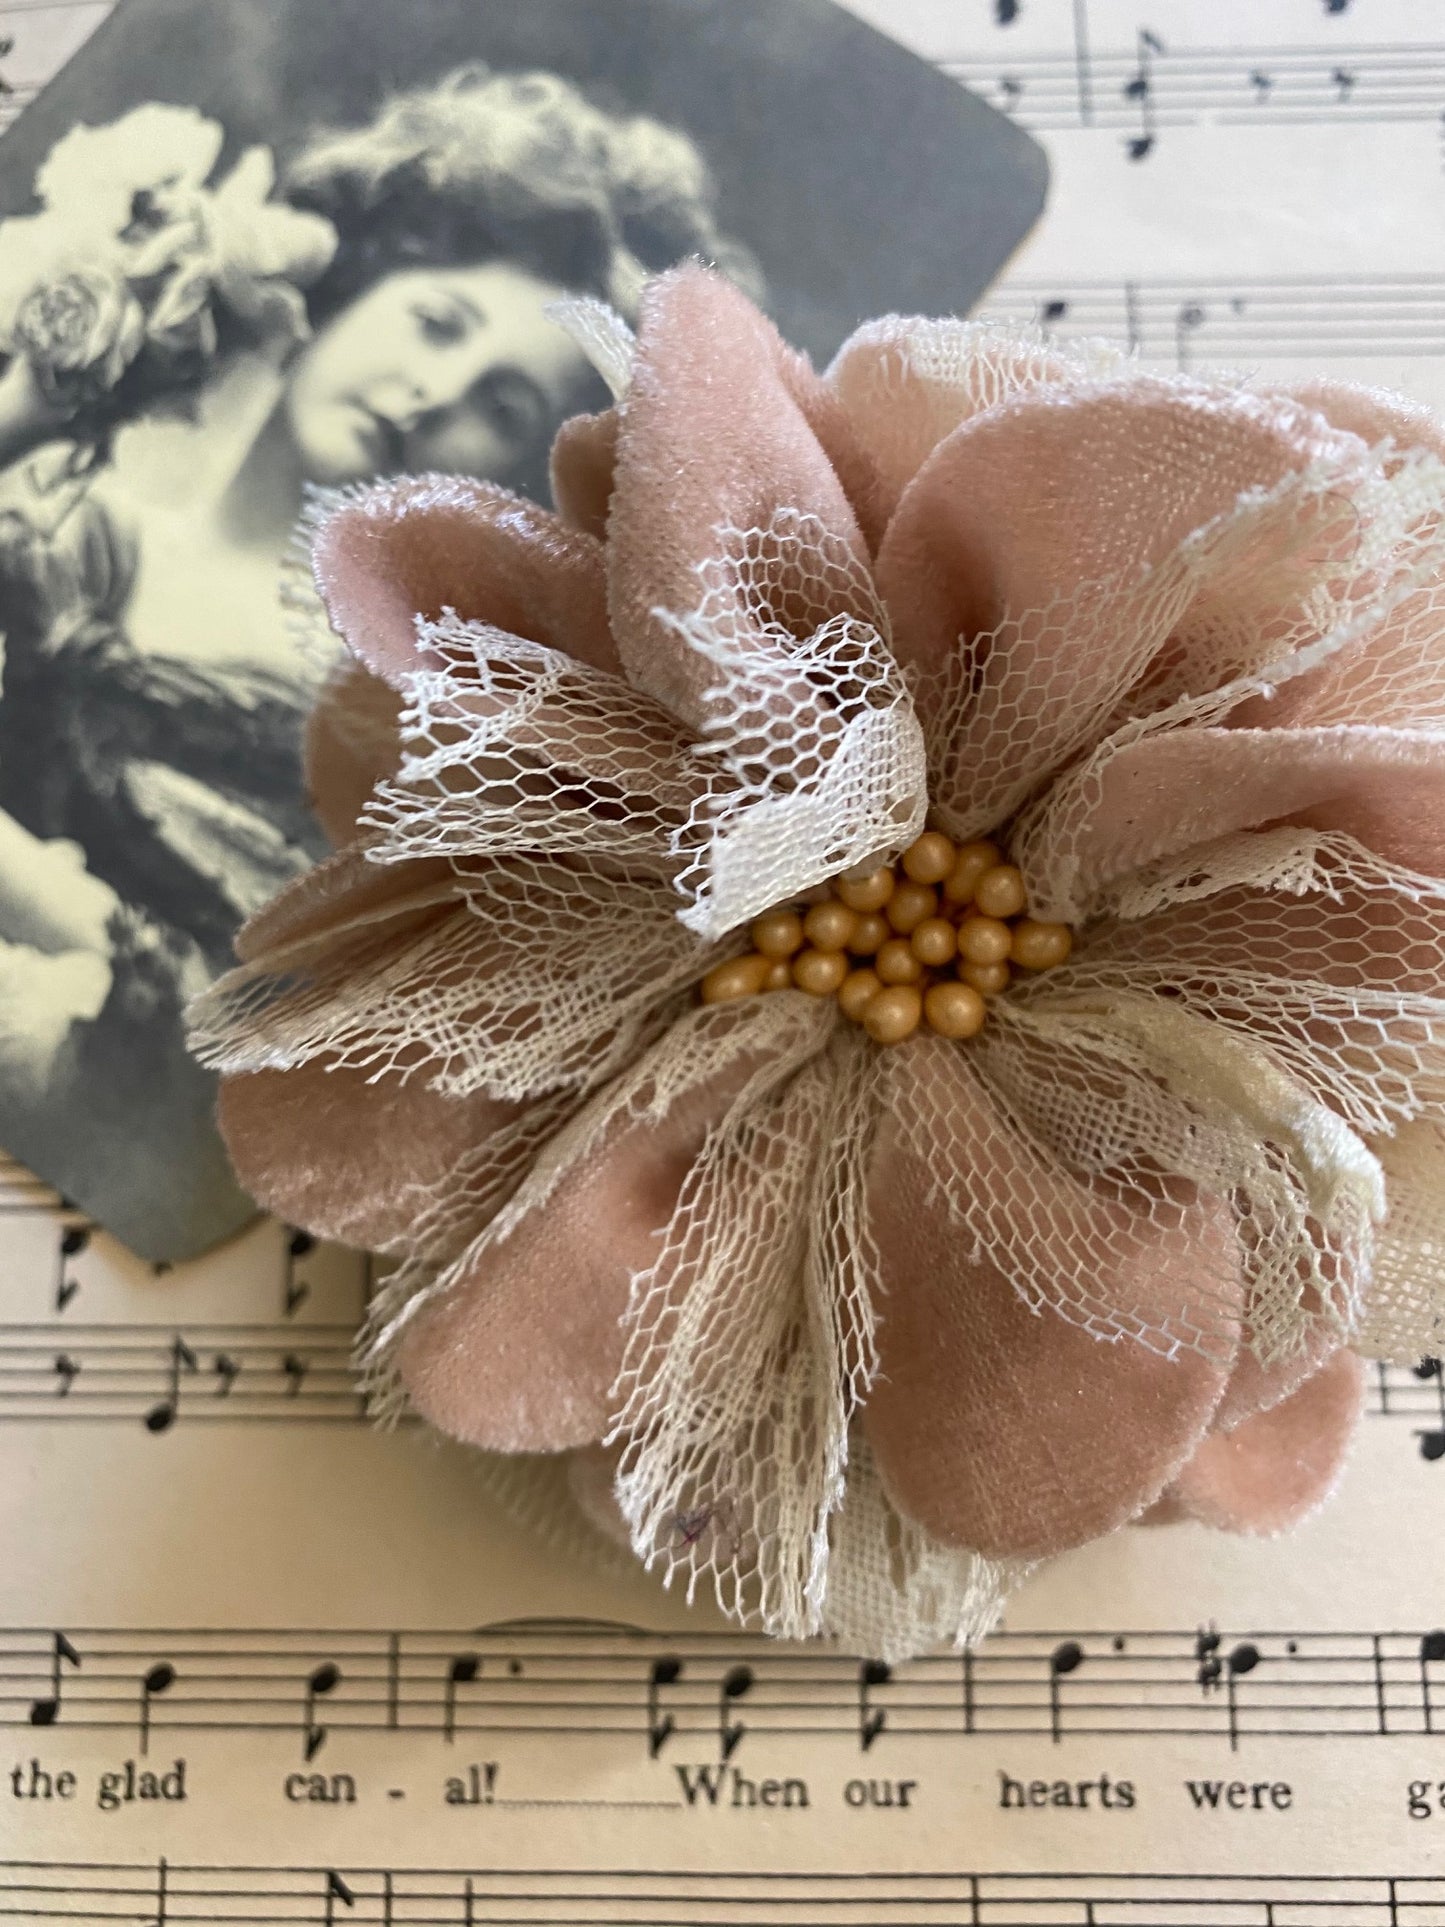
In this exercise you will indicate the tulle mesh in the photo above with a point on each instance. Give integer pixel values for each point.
(815, 756)
(750, 1345)
(539, 975)
(1219, 1122)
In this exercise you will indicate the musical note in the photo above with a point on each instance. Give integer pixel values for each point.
(1190, 317)
(45, 1712)
(737, 1682)
(159, 1679)
(337, 1889)
(660, 1726)
(322, 1680)
(871, 1722)
(1066, 1658)
(1051, 311)
(1432, 1441)
(227, 1372)
(66, 1373)
(462, 1672)
(1432, 1653)
(72, 1241)
(1005, 12)
(1242, 1660)
(295, 1292)
(295, 1369)
(1141, 90)
(162, 1415)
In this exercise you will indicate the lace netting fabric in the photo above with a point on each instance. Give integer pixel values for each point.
(819, 1296)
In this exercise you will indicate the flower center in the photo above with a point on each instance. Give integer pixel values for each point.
(926, 940)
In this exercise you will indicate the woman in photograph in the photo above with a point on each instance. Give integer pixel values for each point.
(193, 354)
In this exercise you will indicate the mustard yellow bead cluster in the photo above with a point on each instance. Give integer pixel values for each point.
(925, 941)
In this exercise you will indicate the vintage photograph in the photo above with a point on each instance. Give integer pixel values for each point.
(255, 249)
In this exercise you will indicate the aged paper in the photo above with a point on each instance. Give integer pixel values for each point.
(264, 1663)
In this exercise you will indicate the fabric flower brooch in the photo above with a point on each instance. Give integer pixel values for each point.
(885, 977)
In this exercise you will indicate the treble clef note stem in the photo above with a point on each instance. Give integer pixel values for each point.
(45, 1712)
(462, 1671)
(159, 1679)
(1432, 1653)
(162, 1415)
(1066, 1658)
(660, 1726)
(161, 1914)
(737, 1683)
(1432, 1440)
(1242, 1659)
(1140, 89)
(320, 1681)
(336, 1889)
(871, 1719)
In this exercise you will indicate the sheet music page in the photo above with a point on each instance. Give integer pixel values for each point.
(260, 1661)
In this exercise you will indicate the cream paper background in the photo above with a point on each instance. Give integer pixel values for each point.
(1303, 222)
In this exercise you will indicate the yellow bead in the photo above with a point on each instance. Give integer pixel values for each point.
(738, 977)
(867, 893)
(819, 972)
(934, 942)
(779, 933)
(954, 1010)
(868, 933)
(909, 905)
(828, 926)
(930, 859)
(895, 1013)
(973, 861)
(896, 963)
(1041, 946)
(984, 940)
(987, 979)
(856, 991)
(1000, 892)
(780, 975)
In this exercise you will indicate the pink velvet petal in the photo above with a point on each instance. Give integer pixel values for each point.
(723, 426)
(1382, 676)
(1014, 1434)
(1374, 414)
(584, 467)
(352, 743)
(1142, 463)
(343, 893)
(1168, 793)
(1254, 1387)
(908, 383)
(346, 1158)
(1277, 1468)
(522, 1353)
(423, 544)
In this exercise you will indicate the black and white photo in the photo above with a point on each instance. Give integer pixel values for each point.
(254, 248)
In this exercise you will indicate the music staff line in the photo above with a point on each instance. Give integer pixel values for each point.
(168, 1893)
(1157, 84)
(667, 1696)
(158, 1374)
(1291, 318)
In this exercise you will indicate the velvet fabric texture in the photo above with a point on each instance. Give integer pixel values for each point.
(854, 1334)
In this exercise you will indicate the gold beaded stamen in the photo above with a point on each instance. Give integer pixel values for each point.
(926, 940)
